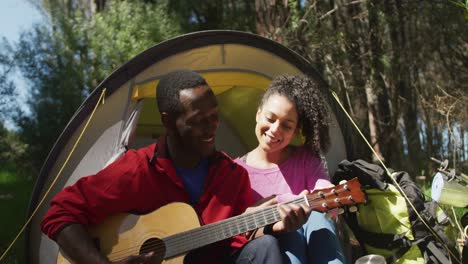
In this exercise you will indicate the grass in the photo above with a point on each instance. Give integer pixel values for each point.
(15, 192)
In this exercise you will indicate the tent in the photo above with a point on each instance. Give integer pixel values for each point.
(237, 65)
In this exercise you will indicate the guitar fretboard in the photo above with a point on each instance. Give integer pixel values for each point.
(207, 234)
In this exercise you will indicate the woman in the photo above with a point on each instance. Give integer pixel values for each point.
(292, 105)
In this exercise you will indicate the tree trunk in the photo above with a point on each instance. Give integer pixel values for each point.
(271, 18)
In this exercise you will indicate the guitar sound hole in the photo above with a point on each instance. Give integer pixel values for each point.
(153, 245)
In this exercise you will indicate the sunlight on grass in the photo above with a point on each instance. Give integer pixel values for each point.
(15, 193)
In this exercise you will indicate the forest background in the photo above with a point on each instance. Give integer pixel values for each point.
(400, 67)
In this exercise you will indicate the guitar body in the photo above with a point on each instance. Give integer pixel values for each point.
(124, 235)
(174, 229)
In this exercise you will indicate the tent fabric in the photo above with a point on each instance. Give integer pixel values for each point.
(128, 133)
(219, 81)
(237, 65)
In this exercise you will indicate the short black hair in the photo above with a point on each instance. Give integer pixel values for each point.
(170, 85)
(314, 119)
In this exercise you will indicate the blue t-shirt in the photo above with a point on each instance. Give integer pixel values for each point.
(194, 179)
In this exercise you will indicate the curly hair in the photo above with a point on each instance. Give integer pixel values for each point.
(314, 119)
(170, 85)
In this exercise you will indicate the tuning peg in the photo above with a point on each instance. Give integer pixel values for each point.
(343, 181)
(340, 211)
(353, 209)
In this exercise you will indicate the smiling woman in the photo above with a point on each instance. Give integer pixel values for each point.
(237, 66)
(277, 122)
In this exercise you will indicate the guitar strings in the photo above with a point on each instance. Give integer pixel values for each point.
(247, 223)
(178, 245)
(179, 242)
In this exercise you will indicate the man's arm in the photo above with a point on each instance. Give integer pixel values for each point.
(78, 245)
(88, 202)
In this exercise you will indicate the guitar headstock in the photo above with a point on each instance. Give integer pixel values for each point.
(347, 193)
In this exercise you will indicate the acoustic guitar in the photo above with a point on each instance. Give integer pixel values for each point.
(173, 230)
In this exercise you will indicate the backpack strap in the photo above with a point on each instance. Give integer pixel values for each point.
(436, 253)
(379, 240)
(402, 251)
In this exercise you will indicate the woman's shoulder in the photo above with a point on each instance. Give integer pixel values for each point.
(303, 158)
(255, 168)
(303, 153)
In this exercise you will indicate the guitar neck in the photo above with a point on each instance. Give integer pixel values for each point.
(130, 227)
(320, 200)
(207, 234)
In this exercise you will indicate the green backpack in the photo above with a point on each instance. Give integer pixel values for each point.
(386, 225)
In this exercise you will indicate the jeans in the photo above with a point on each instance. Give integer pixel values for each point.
(315, 242)
(264, 249)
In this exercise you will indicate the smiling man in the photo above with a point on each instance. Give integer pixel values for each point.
(183, 166)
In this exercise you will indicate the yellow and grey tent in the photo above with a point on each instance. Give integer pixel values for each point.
(238, 66)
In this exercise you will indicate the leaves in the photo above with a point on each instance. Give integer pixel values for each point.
(64, 60)
(403, 63)
(124, 30)
(393, 62)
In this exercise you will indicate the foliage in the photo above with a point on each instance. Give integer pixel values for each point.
(12, 151)
(14, 197)
(56, 88)
(64, 60)
(122, 31)
(399, 67)
(463, 5)
(194, 15)
(7, 88)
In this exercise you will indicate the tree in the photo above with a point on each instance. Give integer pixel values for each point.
(123, 30)
(399, 66)
(391, 62)
(195, 15)
(13, 152)
(64, 60)
(8, 94)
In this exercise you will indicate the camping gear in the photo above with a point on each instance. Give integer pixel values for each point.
(449, 186)
(238, 66)
(449, 192)
(371, 259)
(388, 225)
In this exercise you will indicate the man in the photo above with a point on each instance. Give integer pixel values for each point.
(183, 166)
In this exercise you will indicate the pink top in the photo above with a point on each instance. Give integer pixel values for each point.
(301, 171)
